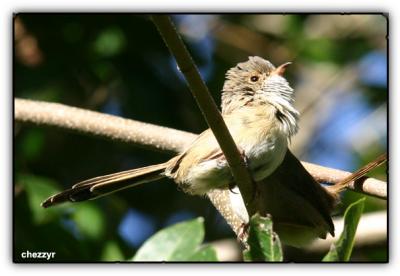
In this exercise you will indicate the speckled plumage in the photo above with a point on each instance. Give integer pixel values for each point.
(270, 89)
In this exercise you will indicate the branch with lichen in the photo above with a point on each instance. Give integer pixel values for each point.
(159, 138)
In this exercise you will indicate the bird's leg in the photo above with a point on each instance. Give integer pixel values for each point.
(243, 232)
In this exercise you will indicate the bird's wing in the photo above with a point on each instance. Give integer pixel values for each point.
(204, 148)
(296, 178)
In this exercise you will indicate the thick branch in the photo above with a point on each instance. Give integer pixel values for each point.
(101, 125)
(208, 108)
(158, 138)
(153, 137)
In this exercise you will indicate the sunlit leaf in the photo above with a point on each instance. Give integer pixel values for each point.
(175, 243)
(89, 219)
(38, 189)
(112, 252)
(205, 254)
(340, 250)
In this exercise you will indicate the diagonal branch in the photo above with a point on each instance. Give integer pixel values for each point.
(209, 109)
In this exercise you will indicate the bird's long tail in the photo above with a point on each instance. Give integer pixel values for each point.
(359, 174)
(106, 184)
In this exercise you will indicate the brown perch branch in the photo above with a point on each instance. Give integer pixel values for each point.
(161, 138)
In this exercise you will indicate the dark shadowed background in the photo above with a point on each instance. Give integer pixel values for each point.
(118, 64)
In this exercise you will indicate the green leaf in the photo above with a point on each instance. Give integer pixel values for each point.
(89, 220)
(205, 254)
(263, 242)
(32, 144)
(38, 189)
(340, 250)
(112, 252)
(110, 42)
(174, 243)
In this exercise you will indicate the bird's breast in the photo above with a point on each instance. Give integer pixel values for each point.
(264, 157)
(264, 143)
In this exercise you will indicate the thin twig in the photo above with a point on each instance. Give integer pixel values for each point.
(208, 108)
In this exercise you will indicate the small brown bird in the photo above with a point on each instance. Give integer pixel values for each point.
(257, 106)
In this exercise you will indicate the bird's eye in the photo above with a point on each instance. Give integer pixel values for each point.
(254, 78)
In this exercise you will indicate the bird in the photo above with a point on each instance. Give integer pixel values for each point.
(257, 105)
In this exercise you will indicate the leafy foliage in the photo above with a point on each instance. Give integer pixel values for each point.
(89, 220)
(38, 188)
(204, 254)
(179, 242)
(264, 244)
(112, 252)
(341, 250)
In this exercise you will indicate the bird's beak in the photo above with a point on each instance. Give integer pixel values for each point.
(281, 69)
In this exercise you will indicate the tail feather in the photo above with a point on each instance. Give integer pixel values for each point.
(316, 202)
(104, 178)
(106, 184)
(360, 173)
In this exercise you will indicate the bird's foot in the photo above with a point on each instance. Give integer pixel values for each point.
(243, 232)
